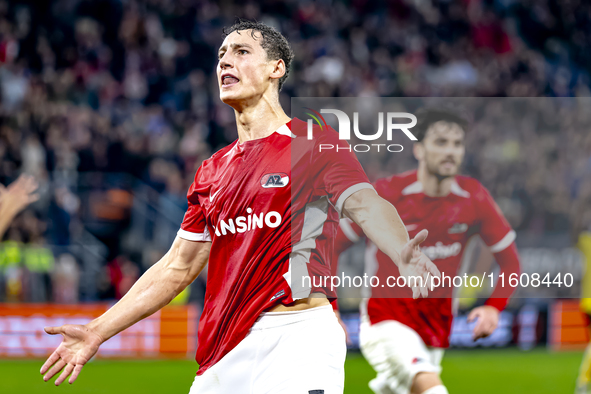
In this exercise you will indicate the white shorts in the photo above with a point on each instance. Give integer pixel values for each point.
(299, 352)
(397, 353)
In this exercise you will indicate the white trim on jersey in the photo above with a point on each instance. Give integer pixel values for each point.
(347, 193)
(345, 225)
(315, 215)
(504, 243)
(417, 187)
(230, 151)
(413, 188)
(189, 236)
(284, 130)
(458, 191)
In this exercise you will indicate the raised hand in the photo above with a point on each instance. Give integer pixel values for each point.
(415, 264)
(18, 194)
(77, 348)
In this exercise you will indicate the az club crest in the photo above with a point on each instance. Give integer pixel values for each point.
(279, 179)
(458, 228)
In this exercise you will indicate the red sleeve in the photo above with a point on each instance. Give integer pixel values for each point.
(194, 226)
(340, 172)
(494, 228)
(508, 261)
(499, 236)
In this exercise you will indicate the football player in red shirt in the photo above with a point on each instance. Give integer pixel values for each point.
(264, 210)
(401, 337)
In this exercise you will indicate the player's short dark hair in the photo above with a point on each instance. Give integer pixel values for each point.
(426, 117)
(273, 42)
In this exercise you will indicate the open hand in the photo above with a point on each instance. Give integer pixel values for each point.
(77, 348)
(18, 194)
(416, 265)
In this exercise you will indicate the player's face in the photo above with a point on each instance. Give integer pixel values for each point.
(243, 71)
(442, 149)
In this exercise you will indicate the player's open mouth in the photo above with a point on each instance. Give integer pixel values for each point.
(229, 80)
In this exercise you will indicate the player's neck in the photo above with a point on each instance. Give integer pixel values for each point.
(259, 120)
(434, 186)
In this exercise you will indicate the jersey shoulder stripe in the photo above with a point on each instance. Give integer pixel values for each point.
(470, 185)
(391, 188)
(504, 243)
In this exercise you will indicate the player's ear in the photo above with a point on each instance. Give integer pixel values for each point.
(278, 69)
(418, 149)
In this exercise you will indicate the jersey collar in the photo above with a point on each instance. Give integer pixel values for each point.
(285, 130)
(417, 187)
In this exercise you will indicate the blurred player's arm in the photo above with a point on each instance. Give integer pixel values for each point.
(487, 316)
(496, 232)
(508, 261)
(155, 289)
(381, 223)
(14, 198)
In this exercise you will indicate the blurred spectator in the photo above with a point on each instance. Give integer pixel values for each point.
(65, 278)
(122, 273)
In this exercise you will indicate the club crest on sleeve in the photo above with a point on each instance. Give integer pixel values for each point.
(458, 228)
(278, 179)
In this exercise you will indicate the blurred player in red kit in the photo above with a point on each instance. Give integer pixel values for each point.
(264, 211)
(403, 338)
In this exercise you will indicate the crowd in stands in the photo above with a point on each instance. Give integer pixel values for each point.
(128, 86)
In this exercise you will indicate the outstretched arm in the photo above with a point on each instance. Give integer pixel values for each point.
(381, 223)
(15, 198)
(155, 289)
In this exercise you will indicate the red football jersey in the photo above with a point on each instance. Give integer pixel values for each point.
(271, 209)
(451, 221)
